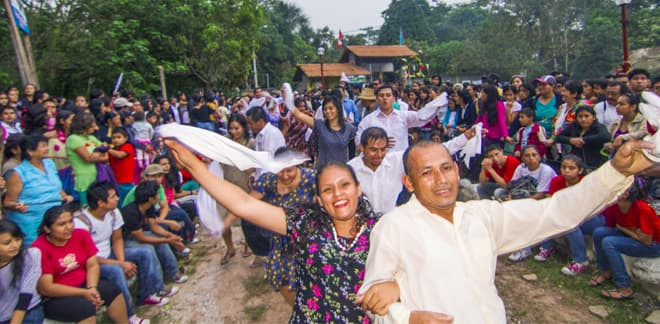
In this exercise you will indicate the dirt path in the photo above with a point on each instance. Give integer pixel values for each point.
(234, 293)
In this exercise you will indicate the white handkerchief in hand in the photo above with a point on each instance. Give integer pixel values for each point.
(650, 108)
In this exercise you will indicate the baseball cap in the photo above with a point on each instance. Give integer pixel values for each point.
(122, 102)
(153, 169)
(547, 79)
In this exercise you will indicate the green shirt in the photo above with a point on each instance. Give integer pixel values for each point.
(130, 196)
(84, 172)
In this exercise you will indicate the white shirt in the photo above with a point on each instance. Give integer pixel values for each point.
(543, 175)
(606, 114)
(396, 124)
(383, 186)
(269, 139)
(101, 231)
(450, 267)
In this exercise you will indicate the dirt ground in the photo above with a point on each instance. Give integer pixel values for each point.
(233, 293)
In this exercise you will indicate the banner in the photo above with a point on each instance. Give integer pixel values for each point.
(19, 17)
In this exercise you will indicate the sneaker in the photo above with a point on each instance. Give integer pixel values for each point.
(167, 292)
(195, 241)
(179, 278)
(185, 251)
(543, 254)
(136, 320)
(520, 255)
(575, 268)
(155, 300)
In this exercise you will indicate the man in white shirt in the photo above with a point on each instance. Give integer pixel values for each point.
(442, 254)
(267, 137)
(380, 171)
(606, 113)
(396, 122)
(104, 223)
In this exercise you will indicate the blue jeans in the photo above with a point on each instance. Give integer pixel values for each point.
(187, 232)
(166, 257)
(576, 238)
(207, 125)
(115, 274)
(610, 243)
(150, 275)
(32, 316)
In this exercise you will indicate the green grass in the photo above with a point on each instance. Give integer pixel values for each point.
(255, 313)
(577, 291)
(255, 285)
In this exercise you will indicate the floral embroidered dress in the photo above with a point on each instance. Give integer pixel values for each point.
(280, 266)
(328, 276)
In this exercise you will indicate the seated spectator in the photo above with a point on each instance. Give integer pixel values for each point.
(542, 174)
(9, 122)
(104, 222)
(496, 171)
(632, 228)
(572, 171)
(20, 269)
(530, 133)
(70, 273)
(630, 125)
(33, 187)
(177, 198)
(142, 211)
(176, 220)
(122, 161)
(586, 137)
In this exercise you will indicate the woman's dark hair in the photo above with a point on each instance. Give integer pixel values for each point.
(51, 216)
(7, 226)
(81, 123)
(510, 88)
(336, 101)
(527, 86)
(633, 99)
(427, 92)
(364, 210)
(13, 141)
(30, 143)
(574, 87)
(62, 115)
(530, 147)
(490, 106)
(172, 177)
(575, 159)
(35, 118)
(109, 116)
(240, 119)
(464, 95)
(586, 108)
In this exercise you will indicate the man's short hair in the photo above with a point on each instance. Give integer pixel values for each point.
(637, 71)
(256, 114)
(373, 134)
(98, 191)
(418, 145)
(385, 86)
(622, 86)
(145, 191)
(529, 112)
(655, 80)
(492, 147)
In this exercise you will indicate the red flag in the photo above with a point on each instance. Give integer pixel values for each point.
(340, 37)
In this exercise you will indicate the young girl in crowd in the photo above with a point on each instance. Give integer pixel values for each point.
(70, 273)
(144, 132)
(586, 137)
(452, 117)
(20, 269)
(512, 106)
(122, 161)
(631, 228)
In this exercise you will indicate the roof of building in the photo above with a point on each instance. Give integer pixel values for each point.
(380, 50)
(331, 69)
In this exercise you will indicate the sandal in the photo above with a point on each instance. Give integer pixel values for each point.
(246, 252)
(225, 259)
(599, 279)
(617, 294)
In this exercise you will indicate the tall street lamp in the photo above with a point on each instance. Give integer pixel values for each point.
(320, 51)
(624, 29)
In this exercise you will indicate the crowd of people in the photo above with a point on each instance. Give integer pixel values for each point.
(92, 197)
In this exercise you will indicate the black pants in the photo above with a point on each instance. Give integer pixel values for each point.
(76, 308)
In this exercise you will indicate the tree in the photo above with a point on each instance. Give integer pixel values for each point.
(411, 17)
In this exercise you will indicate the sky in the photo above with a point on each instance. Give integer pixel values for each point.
(347, 15)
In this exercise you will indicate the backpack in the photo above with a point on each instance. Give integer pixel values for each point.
(524, 187)
(88, 223)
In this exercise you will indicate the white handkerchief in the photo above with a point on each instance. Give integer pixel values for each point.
(473, 146)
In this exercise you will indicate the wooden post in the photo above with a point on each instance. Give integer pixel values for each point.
(32, 72)
(21, 58)
(163, 90)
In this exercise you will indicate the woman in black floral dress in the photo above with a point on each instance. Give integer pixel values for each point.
(331, 239)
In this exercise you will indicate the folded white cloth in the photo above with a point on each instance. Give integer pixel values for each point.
(650, 108)
(473, 146)
(222, 149)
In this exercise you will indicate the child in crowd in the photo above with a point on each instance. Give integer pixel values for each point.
(122, 161)
(586, 137)
(144, 132)
(9, 123)
(530, 133)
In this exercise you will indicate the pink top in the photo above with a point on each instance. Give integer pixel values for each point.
(498, 130)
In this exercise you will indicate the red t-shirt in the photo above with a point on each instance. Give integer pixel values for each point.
(68, 263)
(507, 170)
(124, 169)
(640, 215)
(558, 183)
